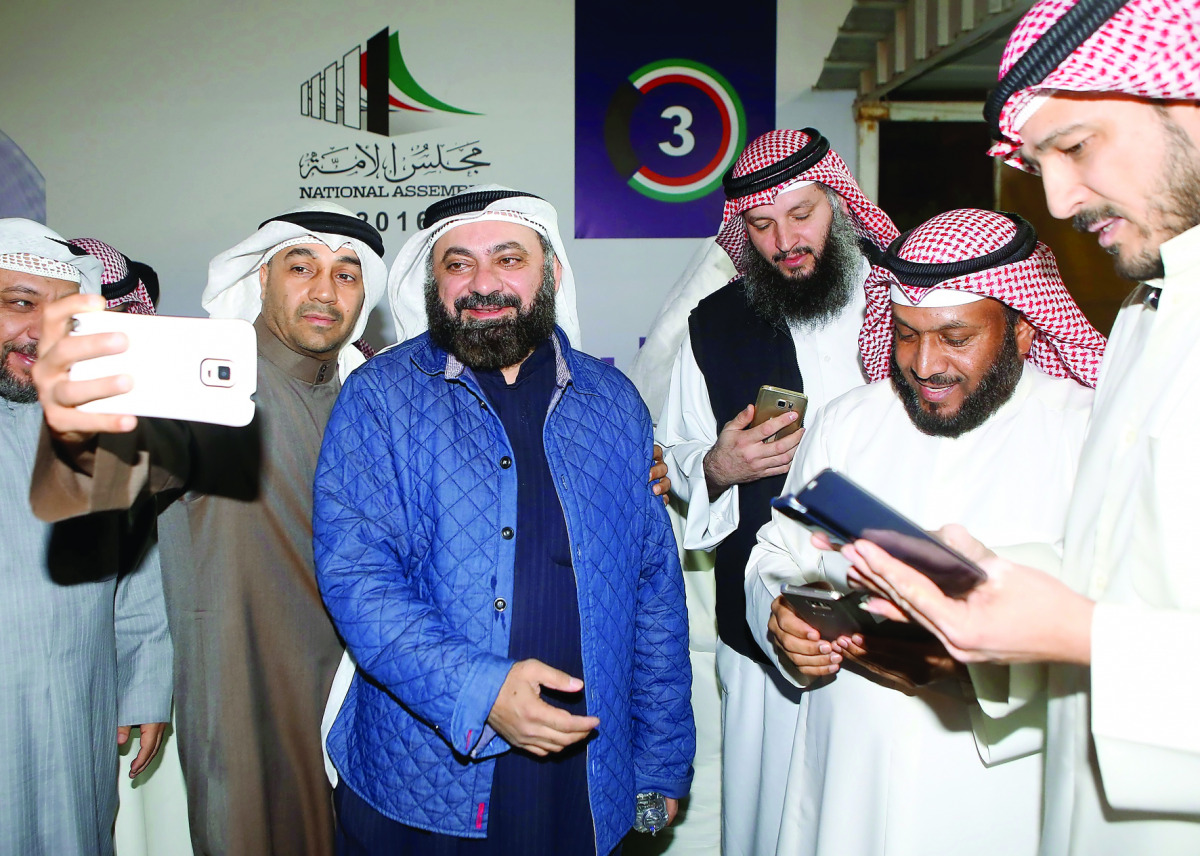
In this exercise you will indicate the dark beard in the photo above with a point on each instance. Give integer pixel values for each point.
(491, 345)
(812, 299)
(12, 387)
(993, 391)
(1176, 206)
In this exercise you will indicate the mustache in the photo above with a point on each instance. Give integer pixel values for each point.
(321, 309)
(939, 379)
(1084, 220)
(495, 300)
(29, 349)
(794, 251)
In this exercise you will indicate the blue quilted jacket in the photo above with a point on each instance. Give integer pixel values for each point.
(413, 529)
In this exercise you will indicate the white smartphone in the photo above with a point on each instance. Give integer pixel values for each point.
(198, 369)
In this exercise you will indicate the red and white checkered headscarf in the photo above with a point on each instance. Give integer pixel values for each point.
(869, 220)
(1065, 343)
(122, 282)
(1147, 48)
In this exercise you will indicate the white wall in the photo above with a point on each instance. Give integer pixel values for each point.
(172, 129)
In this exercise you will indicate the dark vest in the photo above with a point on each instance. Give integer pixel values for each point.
(737, 352)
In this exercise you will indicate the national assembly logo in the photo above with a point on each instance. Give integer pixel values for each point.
(372, 89)
(673, 129)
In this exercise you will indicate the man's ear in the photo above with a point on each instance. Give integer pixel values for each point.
(262, 282)
(557, 274)
(1025, 333)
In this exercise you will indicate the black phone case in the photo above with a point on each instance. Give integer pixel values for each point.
(837, 506)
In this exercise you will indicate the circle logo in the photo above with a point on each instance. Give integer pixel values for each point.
(674, 129)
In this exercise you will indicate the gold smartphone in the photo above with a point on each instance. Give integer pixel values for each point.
(774, 401)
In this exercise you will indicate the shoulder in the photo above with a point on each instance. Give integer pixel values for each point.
(1060, 394)
(868, 399)
(730, 296)
(593, 376)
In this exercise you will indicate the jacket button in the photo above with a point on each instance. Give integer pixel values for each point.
(501, 604)
(506, 533)
(505, 462)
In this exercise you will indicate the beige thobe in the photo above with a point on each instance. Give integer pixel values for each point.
(255, 652)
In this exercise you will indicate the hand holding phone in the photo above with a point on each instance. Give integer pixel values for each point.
(832, 504)
(198, 369)
(775, 401)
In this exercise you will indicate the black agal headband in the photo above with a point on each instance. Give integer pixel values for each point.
(465, 203)
(337, 224)
(777, 173)
(925, 275)
(1061, 40)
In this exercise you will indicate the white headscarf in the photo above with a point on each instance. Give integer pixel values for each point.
(406, 282)
(234, 291)
(47, 254)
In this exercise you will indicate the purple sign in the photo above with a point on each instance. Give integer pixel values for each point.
(665, 100)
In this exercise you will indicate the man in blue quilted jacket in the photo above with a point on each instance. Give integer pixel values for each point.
(504, 578)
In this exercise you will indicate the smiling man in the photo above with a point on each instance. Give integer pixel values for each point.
(255, 650)
(84, 647)
(991, 365)
(488, 546)
(1102, 99)
(798, 229)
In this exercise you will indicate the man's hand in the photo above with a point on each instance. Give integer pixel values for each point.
(1018, 615)
(741, 456)
(60, 396)
(660, 482)
(800, 642)
(148, 743)
(672, 809)
(521, 717)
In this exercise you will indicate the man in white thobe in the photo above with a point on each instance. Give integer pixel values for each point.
(968, 429)
(1114, 130)
(796, 226)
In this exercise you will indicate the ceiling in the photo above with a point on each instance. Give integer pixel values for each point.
(919, 50)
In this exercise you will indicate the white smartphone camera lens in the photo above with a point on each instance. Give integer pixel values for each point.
(215, 372)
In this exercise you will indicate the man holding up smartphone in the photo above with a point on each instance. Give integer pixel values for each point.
(84, 648)
(256, 652)
(991, 366)
(796, 226)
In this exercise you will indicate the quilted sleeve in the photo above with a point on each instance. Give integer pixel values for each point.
(367, 544)
(664, 731)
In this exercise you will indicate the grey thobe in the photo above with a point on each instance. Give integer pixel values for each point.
(255, 652)
(80, 653)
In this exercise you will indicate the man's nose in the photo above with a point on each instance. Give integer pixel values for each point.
(1065, 194)
(323, 288)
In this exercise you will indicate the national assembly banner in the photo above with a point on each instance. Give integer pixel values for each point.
(666, 97)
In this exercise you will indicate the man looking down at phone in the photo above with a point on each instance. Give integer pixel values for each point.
(256, 652)
(1101, 101)
(798, 230)
(84, 648)
(505, 579)
(991, 365)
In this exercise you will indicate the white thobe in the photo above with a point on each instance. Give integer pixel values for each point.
(877, 772)
(754, 702)
(1124, 777)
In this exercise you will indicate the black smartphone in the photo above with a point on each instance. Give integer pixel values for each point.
(833, 504)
